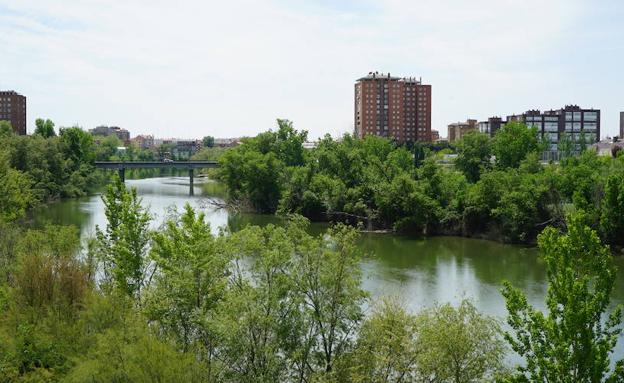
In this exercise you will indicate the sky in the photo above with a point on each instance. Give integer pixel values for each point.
(231, 68)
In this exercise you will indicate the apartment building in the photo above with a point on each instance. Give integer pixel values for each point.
(393, 107)
(13, 109)
(458, 129)
(621, 125)
(580, 125)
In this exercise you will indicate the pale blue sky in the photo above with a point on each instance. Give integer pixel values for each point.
(230, 68)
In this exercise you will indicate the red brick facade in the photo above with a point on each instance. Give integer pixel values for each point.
(398, 108)
(13, 109)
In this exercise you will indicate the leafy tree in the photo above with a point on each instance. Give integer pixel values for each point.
(570, 343)
(256, 319)
(44, 128)
(612, 215)
(190, 280)
(5, 128)
(458, 344)
(123, 245)
(386, 348)
(329, 279)
(473, 155)
(77, 145)
(512, 143)
(15, 192)
(208, 141)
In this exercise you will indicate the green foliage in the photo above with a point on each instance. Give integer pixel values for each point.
(5, 128)
(55, 166)
(15, 192)
(612, 219)
(44, 128)
(130, 353)
(512, 143)
(440, 344)
(253, 171)
(571, 343)
(123, 245)
(208, 141)
(190, 280)
(209, 154)
(461, 344)
(473, 155)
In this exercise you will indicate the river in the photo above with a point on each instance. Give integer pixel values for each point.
(420, 272)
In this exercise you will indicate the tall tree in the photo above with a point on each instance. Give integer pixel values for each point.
(612, 217)
(123, 244)
(208, 141)
(44, 128)
(512, 143)
(573, 341)
(191, 279)
(473, 155)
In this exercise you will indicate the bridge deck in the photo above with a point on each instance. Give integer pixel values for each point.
(156, 164)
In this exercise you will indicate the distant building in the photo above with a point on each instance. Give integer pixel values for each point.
(104, 130)
(226, 142)
(572, 121)
(143, 141)
(435, 135)
(13, 109)
(491, 126)
(621, 125)
(458, 129)
(608, 147)
(393, 107)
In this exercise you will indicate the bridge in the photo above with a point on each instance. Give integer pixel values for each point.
(121, 167)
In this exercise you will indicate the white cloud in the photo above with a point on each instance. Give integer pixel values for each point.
(230, 68)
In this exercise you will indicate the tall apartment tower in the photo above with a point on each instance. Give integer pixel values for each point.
(621, 125)
(13, 109)
(393, 107)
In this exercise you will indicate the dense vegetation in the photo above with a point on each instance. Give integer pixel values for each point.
(496, 189)
(275, 304)
(45, 166)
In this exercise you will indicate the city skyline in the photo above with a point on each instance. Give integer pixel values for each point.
(233, 75)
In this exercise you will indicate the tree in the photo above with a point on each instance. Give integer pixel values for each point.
(45, 128)
(208, 141)
(77, 146)
(571, 343)
(612, 214)
(386, 348)
(5, 128)
(123, 245)
(190, 280)
(15, 192)
(473, 155)
(328, 278)
(458, 344)
(512, 143)
(258, 316)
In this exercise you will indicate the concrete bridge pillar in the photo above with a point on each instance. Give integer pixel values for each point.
(122, 174)
(191, 182)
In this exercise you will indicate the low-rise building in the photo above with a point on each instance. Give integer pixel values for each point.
(608, 147)
(435, 135)
(226, 142)
(458, 129)
(144, 141)
(103, 130)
